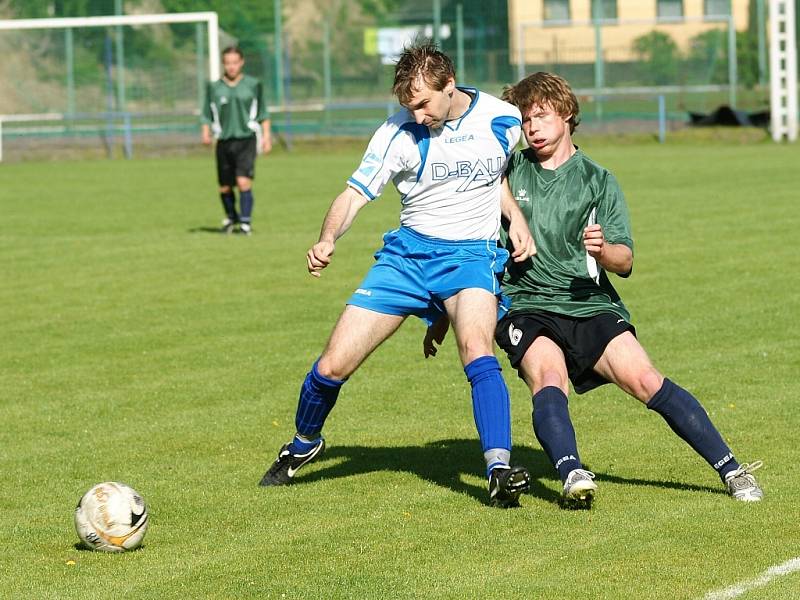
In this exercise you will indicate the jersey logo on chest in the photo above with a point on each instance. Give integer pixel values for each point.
(475, 174)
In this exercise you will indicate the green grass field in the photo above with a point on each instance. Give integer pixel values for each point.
(142, 347)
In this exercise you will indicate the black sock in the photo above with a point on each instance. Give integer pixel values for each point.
(229, 204)
(246, 204)
(553, 429)
(686, 417)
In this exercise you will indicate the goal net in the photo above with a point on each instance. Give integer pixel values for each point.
(104, 83)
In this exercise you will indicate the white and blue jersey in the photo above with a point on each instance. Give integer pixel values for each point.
(449, 184)
(448, 178)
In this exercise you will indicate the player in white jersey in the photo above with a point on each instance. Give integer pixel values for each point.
(445, 152)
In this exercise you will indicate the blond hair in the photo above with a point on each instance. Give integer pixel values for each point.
(545, 89)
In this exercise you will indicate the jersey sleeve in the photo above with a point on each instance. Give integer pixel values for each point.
(386, 157)
(613, 214)
(205, 110)
(263, 109)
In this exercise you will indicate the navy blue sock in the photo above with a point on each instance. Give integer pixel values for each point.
(553, 429)
(246, 204)
(490, 404)
(686, 417)
(229, 204)
(317, 397)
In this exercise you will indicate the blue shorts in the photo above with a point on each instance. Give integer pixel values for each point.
(414, 274)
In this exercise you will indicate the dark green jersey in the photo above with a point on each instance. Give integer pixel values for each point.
(562, 278)
(235, 111)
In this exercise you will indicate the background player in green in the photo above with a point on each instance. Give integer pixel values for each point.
(235, 113)
(566, 321)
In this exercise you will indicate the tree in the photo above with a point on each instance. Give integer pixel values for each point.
(659, 56)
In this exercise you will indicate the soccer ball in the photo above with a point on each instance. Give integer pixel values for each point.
(111, 517)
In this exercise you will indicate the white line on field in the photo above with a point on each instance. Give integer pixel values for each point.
(790, 566)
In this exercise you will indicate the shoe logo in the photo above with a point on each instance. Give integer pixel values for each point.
(290, 472)
(514, 334)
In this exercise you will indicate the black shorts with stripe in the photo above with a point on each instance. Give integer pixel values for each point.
(236, 157)
(582, 339)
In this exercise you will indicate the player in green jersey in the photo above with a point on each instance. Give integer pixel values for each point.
(566, 321)
(235, 113)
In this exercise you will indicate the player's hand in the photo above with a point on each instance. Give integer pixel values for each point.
(319, 256)
(266, 144)
(594, 240)
(519, 234)
(435, 335)
(206, 138)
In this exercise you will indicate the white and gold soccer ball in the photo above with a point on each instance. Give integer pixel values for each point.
(111, 517)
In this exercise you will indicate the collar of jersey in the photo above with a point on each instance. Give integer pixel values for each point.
(551, 174)
(457, 122)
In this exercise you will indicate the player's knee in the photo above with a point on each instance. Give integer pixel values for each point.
(647, 383)
(331, 369)
(225, 189)
(475, 347)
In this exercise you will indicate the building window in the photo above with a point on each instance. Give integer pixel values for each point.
(604, 9)
(669, 8)
(556, 10)
(716, 8)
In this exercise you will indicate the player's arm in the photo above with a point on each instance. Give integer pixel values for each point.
(340, 216)
(266, 136)
(616, 258)
(205, 128)
(519, 234)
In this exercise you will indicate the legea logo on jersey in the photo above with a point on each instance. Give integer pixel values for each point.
(370, 162)
(475, 174)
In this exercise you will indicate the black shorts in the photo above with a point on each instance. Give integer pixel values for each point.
(236, 158)
(582, 339)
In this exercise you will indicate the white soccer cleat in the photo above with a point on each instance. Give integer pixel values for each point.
(245, 228)
(742, 485)
(579, 489)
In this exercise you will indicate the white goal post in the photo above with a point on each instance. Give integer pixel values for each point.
(783, 70)
(68, 23)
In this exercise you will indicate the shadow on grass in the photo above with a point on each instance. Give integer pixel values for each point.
(445, 462)
(669, 485)
(217, 230)
(442, 462)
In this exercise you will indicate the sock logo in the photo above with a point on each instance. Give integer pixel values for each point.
(564, 459)
(725, 459)
(514, 334)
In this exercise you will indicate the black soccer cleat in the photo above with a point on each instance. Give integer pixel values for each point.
(506, 485)
(283, 469)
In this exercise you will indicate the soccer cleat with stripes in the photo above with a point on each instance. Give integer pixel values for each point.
(227, 226)
(506, 485)
(742, 485)
(283, 469)
(578, 489)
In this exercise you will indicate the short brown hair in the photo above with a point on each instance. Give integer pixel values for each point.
(233, 50)
(421, 60)
(544, 89)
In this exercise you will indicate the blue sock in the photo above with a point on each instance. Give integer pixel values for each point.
(229, 204)
(317, 397)
(553, 429)
(686, 417)
(490, 405)
(246, 204)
